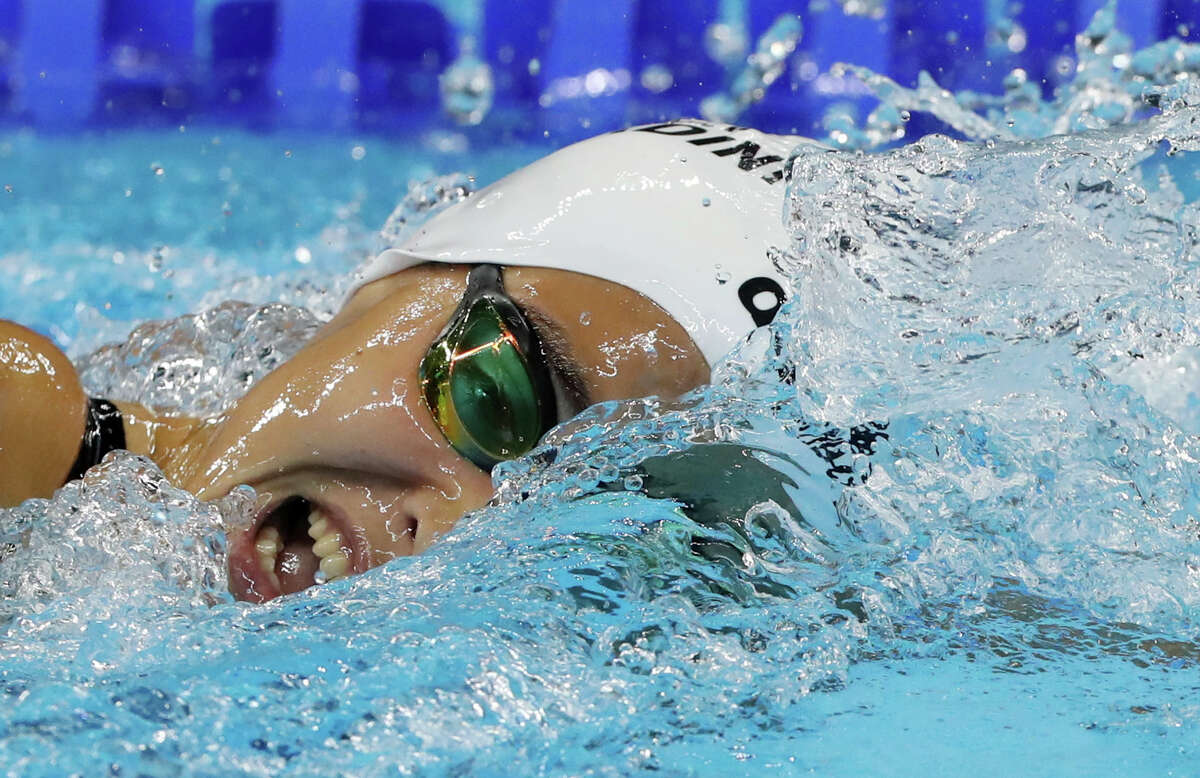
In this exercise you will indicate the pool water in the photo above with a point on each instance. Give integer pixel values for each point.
(940, 518)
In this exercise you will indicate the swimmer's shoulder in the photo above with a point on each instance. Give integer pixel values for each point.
(42, 414)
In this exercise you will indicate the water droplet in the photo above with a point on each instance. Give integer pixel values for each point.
(303, 255)
(158, 255)
(657, 79)
(287, 153)
(726, 43)
(8, 188)
(157, 168)
(905, 116)
(588, 478)
(358, 152)
(585, 318)
(633, 483)
(706, 202)
(467, 89)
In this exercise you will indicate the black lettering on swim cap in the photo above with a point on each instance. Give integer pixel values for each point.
(710, 141)
(754, 287)
(673, 128)
(749, 158)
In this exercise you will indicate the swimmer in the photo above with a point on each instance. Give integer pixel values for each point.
(620, 267)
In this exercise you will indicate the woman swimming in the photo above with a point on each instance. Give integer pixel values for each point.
(565, 284)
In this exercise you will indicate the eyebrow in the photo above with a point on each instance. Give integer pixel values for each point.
(557, 349)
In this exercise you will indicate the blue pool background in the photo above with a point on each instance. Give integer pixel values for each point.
(346, 64)
(133, 144)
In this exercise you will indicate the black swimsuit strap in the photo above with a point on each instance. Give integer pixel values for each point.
(103, 432)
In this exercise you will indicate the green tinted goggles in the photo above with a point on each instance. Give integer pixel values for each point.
(486, 378)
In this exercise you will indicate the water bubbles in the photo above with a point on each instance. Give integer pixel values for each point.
(157, 169)
(303, 255)
(358, 152)
(585, 318)
(197, 364)
(122, 535)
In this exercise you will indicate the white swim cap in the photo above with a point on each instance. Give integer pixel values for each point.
(688, 213)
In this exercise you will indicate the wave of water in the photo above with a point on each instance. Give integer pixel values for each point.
(966, 452)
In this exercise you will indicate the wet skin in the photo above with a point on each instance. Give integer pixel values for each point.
(41, 405)
(343, 424)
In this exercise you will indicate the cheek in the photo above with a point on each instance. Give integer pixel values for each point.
(437, 513)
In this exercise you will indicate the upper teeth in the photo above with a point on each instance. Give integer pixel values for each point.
(327, 545)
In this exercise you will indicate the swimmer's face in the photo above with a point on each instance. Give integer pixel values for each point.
(343, 441)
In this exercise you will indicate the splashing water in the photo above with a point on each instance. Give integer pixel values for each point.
(1112, 85)
(982, 298)
(765, 64)
(423, 200)
(951, 483)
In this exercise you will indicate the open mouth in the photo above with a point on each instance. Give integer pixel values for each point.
(294, 545)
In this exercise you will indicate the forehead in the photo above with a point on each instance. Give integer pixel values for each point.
(625, 344)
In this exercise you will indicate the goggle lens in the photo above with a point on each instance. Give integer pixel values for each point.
(479, 386)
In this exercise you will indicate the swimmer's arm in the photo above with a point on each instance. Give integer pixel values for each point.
(42, 412)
